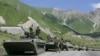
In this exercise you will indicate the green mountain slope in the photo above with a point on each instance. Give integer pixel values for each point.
(80, 23)
(74, 19)
(15, 12)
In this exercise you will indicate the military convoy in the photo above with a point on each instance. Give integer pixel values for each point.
(32, 44)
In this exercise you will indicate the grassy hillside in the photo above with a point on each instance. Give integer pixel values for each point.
(80, 24)
(84, 41)
(15, 12)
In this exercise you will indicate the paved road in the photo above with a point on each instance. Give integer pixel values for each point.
(64, 53)
(72, 53)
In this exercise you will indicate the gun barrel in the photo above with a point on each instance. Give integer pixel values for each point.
(22, 28)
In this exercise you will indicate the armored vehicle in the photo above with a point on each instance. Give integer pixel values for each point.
(52, 44)
(25, 45)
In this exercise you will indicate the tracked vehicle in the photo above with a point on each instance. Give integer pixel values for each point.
(24, 46)
(52, 44)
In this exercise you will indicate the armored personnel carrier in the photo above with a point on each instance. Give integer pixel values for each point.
(24, 46)
(52, 44)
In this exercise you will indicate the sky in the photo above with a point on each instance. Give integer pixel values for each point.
(82, 5)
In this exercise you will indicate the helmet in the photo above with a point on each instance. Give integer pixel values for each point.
(26, 33)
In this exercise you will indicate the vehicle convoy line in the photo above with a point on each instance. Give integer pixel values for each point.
(32, 44)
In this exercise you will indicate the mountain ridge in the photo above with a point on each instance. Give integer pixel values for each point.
(82, 22)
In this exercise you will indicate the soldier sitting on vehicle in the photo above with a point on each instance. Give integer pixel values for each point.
(26, 35)
(49, 39)
(38, 31)
(31, 32)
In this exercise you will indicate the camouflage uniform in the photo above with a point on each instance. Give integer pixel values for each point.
(26, 35)
(61, 44)
(31, 32)
(64, 46)
(56, 43)
(49, 39)
(38, 31)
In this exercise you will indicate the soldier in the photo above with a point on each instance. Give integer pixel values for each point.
(38, 31)
(31, 32)
(55, 38)
(63, 45)
(26, 35)
(87, 48)
(30, 28)
(49, 38)
(56, 43)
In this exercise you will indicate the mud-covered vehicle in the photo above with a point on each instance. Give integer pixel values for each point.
(26, 45)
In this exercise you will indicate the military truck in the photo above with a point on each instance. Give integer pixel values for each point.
(24, 46)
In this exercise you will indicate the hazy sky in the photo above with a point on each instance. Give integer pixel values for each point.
(83, 5)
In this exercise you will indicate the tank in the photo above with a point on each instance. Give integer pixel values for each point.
(24, 46)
